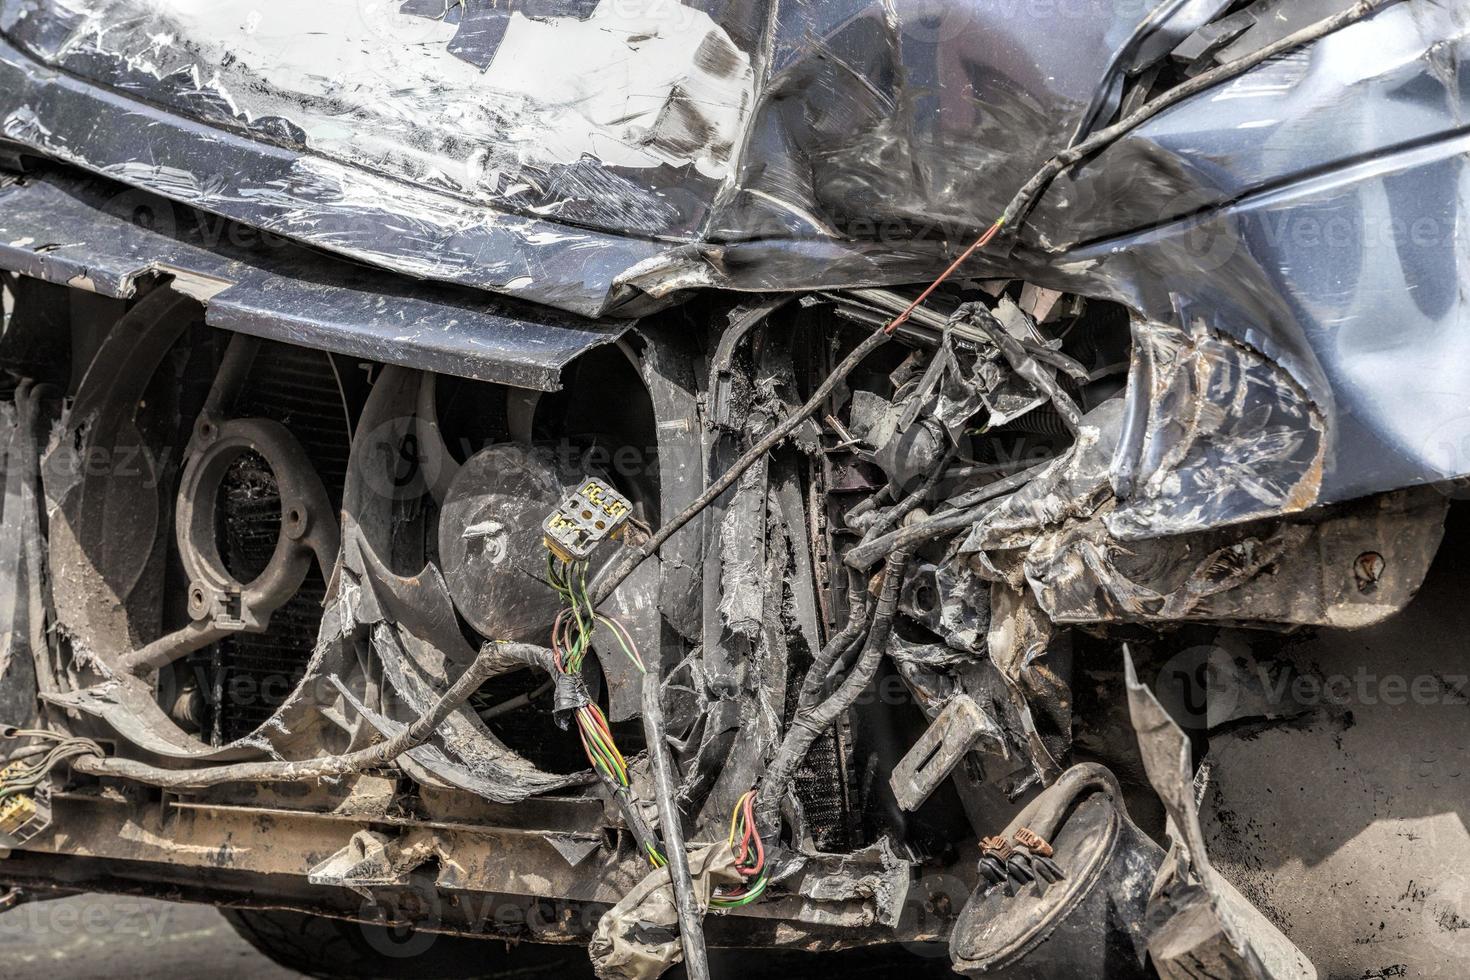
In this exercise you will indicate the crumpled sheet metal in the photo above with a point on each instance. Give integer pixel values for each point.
(769, 145)
(965, 381)
(481, 761)
(875, 880)
(128, 705)
(1198, 924)
(1074, 485)
(1058, 537)
(1313, 210)
(370, 860)
(758, 601)
(1020, 639)
(583, 115)
(318, 202)
(1373, 87)
(947, 599)
(82, 232)
(1328, 247)
(638, 938)
(416, 668)
(1348, 285)
(1348, 566)
(1226, 436)
(1310, 209)
(498, 777)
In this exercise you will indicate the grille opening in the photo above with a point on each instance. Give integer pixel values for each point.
(532, 732)
(248, 516)
(246, 677)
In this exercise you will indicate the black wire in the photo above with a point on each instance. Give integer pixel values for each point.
(812, 721)
(1015, 213)
(975, 505)
(1020, 206)
(609, 582)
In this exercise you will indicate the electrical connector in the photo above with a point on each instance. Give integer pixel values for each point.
(22, 817)
(591, 515)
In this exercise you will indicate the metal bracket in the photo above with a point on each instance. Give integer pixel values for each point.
(370, 860)
(960, 727)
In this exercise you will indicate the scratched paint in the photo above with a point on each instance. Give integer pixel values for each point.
(638, 84)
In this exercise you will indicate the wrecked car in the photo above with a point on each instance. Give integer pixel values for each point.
(602, 484)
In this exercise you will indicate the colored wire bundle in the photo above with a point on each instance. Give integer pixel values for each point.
(750, 859)
(23, 777)
(571, 637)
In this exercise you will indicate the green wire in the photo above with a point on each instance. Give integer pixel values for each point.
(581, 625)
(617, 632)
(596, 738)
(553, 576)
(570, 583)
(736, 903)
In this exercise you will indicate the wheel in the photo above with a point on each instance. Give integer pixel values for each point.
(336, 948)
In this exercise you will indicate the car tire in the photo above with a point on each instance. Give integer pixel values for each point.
(337, 949)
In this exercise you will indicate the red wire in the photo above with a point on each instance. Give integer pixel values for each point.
(744, 853)
(976, 246)
(747, 806)
(556, 646)
(760, 847)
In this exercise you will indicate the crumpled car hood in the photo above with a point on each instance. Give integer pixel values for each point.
(1298, 230)
(862, 139)
(577, 119)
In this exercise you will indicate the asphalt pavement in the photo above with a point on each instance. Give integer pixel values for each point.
(91, 937)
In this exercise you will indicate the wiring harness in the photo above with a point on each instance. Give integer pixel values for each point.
(25, 809)
(750, 858)
(571, 638)
(20, 777)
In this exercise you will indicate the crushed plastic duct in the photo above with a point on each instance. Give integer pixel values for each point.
(638, 938)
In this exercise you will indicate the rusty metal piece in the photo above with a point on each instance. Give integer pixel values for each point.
(371, 860)
(1033, 842)
(996, 847)
(1196, 916)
